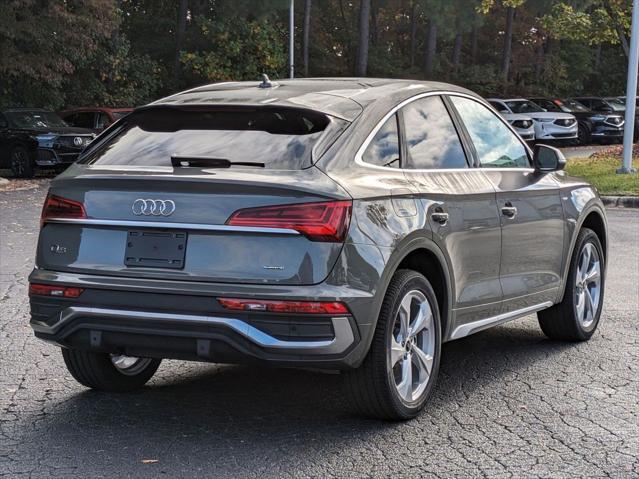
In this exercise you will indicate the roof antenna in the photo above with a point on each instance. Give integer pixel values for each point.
(266, 83)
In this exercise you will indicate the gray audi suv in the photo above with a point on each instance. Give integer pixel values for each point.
(344, 224)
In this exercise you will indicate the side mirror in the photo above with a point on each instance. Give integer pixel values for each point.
(547, 158)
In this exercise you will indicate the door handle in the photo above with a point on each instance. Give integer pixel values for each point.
(509, 210)
(439, 216)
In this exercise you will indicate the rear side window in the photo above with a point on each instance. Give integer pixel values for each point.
(499, 106)
(103, 121)
(497, 146)
(383, 150)
(431, 137)
(277, 138)
(83, 119)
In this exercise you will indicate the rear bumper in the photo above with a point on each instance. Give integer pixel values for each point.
(182, 325)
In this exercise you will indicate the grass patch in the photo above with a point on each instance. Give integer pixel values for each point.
(601, 172)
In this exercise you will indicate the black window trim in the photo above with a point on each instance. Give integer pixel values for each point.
(472, 159)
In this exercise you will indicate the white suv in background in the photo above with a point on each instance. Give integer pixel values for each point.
(547, 125)
(523, 124)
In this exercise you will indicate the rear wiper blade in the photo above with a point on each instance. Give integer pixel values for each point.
(203, 161)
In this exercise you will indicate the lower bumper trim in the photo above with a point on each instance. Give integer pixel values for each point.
(342, 340)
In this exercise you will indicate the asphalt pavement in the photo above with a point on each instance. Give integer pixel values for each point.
(509, 402)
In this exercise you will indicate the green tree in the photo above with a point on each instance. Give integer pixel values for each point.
(115, 77)
(509, 6)
(236, 49)
(42, 42)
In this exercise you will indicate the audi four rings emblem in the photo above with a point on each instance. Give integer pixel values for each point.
(148, 207)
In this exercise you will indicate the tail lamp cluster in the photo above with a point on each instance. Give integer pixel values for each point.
(58, 207)
(326, 221)
(55, 291)
(301, 307)
(323, 221)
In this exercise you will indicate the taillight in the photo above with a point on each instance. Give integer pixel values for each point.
(273, 306)
(323, 221)
(58, 207)
(58, 291)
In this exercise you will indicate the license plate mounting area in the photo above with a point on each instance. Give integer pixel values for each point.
(155, 249)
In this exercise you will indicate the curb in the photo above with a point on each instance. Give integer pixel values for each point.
(621, 201)
(3, 181)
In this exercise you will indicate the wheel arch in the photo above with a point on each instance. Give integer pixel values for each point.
(593, 218)
(420, 254)
(595, 221)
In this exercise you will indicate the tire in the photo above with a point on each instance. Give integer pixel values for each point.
(22, 165)
(566, 321)
(98, 371)
(583, 134)
(372, 388)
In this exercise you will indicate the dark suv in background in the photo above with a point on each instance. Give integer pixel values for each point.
(593, 126)
(608, 105)
(33, 137)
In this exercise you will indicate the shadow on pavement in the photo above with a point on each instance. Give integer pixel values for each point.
(226, 407)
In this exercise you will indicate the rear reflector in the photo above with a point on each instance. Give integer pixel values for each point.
(58, 291)
(304, 307)
(324, 221)
(58, 207)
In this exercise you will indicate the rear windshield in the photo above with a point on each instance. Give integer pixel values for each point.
(277, 138)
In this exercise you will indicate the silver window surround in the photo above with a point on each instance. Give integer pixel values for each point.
(358, 156)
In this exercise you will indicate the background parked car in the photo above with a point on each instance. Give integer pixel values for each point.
(33, 137)
(96, 119)
(548, 125)
(522, 124)
(608, 105)
(592, 126)
(623, 100)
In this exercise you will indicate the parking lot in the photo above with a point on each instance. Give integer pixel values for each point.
(509, 402)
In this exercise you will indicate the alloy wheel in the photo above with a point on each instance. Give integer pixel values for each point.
(18, 162)
(129, 365)
(412, 346)
(588, 285)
